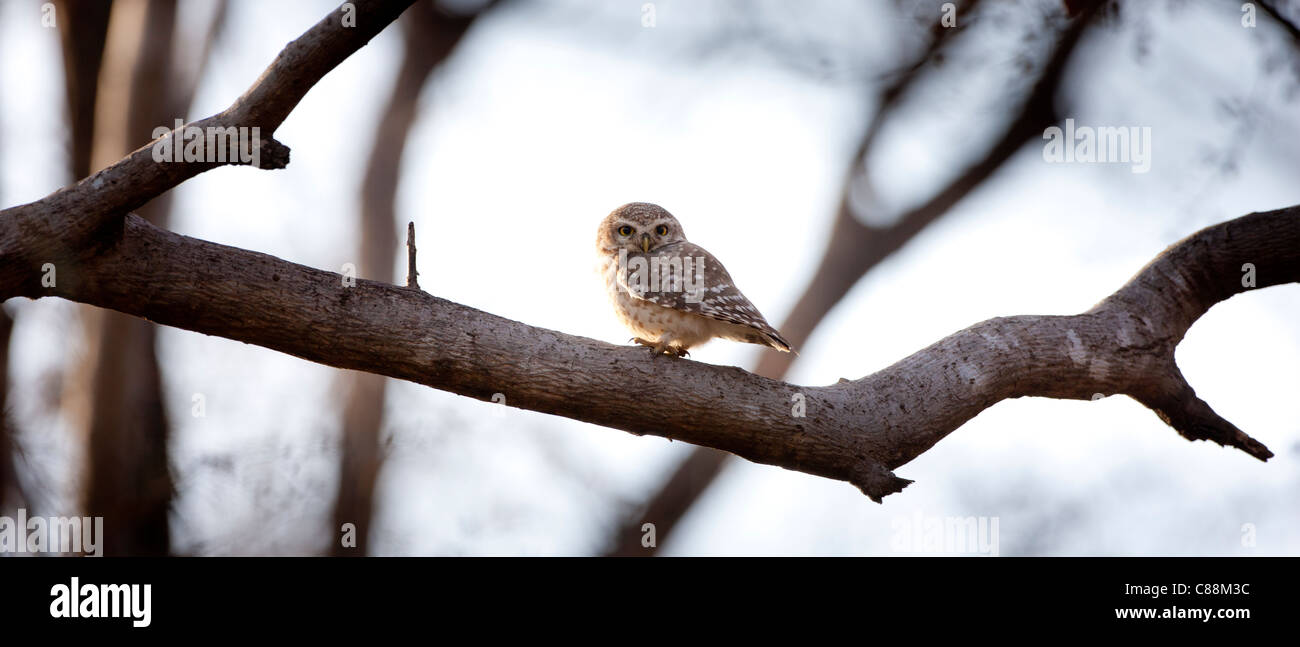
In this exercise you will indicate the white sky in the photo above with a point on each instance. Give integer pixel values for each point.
(546, 119)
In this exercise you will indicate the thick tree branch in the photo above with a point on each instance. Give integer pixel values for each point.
(856, 431)
(51, 229)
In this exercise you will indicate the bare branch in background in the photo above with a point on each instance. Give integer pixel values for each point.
(146, 82)
(854, 247)
(431, 36)
(83, 29)
(1286, 23)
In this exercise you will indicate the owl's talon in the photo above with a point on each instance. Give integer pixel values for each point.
(655, 348)
(666, 349)
(658, 348)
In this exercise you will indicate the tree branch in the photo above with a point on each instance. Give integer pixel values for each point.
(1284, 22)
(83, 28)
(855, 247)
(855, 431)
(63, 222)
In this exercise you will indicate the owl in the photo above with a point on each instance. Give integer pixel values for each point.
(671, 293)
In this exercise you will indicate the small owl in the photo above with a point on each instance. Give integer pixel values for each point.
(671, 293)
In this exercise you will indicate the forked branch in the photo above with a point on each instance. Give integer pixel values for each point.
(89, 212)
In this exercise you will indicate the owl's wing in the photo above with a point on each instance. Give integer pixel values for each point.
(690, 279)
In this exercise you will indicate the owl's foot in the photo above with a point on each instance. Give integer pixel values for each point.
(660, 347)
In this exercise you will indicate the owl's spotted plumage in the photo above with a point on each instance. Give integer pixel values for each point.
(671, 293)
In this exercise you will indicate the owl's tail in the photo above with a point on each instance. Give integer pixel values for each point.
(774, 339)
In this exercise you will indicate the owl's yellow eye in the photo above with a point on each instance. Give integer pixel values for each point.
(662, 230)
(625, 231)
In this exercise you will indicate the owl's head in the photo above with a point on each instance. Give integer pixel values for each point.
(638, 227)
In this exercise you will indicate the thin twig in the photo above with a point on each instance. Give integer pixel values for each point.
(411, 274)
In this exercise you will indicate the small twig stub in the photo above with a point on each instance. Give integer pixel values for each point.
(411, 274)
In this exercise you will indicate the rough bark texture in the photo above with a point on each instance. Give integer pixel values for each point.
(856, 431)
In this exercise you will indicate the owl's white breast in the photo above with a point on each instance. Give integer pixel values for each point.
(651, 321)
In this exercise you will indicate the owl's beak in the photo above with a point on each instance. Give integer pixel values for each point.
(645, 243)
